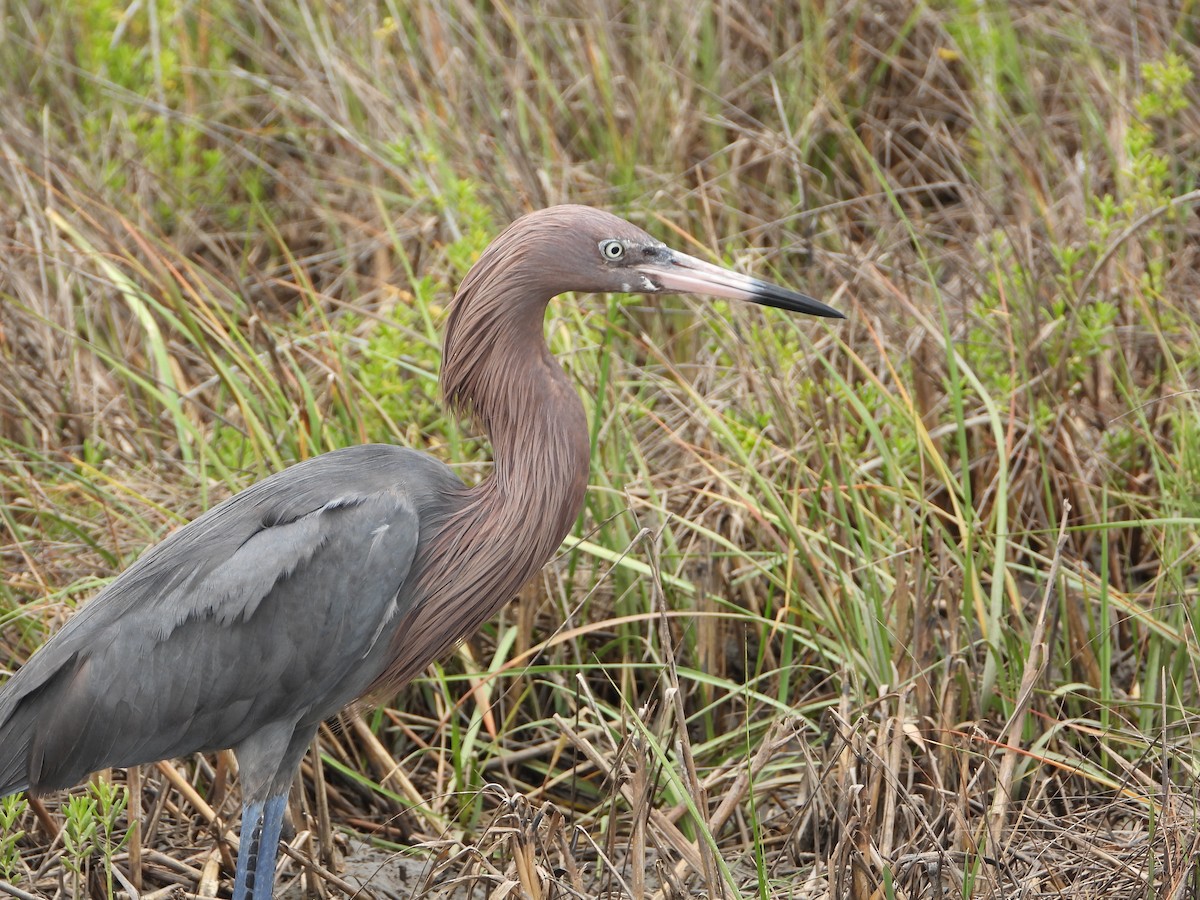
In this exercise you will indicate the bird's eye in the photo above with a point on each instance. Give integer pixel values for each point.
(612, 250)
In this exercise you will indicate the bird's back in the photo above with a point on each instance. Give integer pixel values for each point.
(276, 605)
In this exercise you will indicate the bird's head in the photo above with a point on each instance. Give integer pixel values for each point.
(578, 248)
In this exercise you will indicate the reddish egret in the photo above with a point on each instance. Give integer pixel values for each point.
(345, 574)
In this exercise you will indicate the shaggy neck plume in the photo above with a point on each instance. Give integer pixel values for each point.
(496, 367)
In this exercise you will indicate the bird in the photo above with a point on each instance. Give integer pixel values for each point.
(347, 574)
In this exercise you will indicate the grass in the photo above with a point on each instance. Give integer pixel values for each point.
(899, 607)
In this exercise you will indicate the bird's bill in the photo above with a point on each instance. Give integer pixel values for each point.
(683, 274)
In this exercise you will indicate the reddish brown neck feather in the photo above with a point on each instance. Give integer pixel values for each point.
(496, 367)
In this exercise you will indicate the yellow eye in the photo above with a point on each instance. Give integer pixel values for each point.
(612, 250)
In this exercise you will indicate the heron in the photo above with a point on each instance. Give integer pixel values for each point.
(345, 575)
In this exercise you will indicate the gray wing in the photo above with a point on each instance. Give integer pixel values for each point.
(274, 605)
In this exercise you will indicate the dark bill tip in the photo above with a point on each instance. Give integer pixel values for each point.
(766, 294)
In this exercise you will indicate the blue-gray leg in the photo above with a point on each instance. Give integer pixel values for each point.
(268, 760)
(261, 823)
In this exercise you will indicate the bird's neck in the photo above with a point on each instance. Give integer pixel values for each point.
(496, 366)
(540, 451)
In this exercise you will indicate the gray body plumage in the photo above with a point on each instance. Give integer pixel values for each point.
(301, 578)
